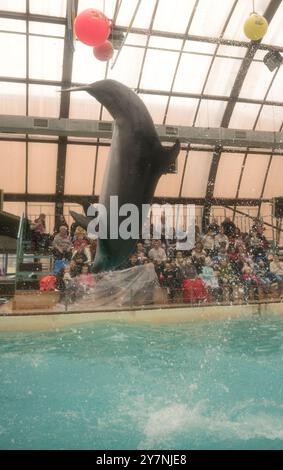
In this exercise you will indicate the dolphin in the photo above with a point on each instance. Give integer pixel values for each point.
(135, 163)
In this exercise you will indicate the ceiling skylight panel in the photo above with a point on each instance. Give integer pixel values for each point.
(6, 24)
(44, 100)
(251, 186)
(210, 113)
(46, 29)
(158, 71)
(274, 33)
(122, 72)
(228, 174)
(274, 183)
(42, 164)
(17, 208)
(200, 47)
(50, 7)
(13, 55)
(45, 58)
(135, 39)
(270, 119)
(232, 51)
(256, 81)
(13, 5)
(207, 22)
(86, 69)
(196, 174)
(83, 106)
(165, 43)
(173, 17)
(156, 106)
(12, 98)
(222, 76)
(181, 111)
(13, 166)
(79, 169)
(106, 6)
(275, 92)
(191, 73)
(143, 13)
(244, 116)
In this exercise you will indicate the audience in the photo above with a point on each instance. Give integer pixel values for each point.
(225, 265)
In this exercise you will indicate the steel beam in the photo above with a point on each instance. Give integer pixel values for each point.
(103, 129)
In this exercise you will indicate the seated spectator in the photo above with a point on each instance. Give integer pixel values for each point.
(238, 241)
(79, 237)
(245, 257)
(80, 259)
(60, 221)
(227, 279)
(180, 261)
(229, 227)
(172, 279)
(198, 257)
(83, 251)
(189, 270)
(194, 290)
(276, 268)
(234, 259)
(209, 242)
(221, 255)
(171, 249)
(197, 234)
(140, 253)
(210, 279)
(214, 226)
(70, 286)
(264, 275)
(75, 269)
(250, 282)
(157, 253)
(86, 280)
(131, 262)
(39, 237)
(221, 238)
(257, 244)
(62, 245)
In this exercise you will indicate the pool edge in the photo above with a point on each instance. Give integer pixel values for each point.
(55, 321)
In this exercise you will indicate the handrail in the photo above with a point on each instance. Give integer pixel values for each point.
(19, 247)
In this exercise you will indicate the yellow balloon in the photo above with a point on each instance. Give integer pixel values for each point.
(255, 27)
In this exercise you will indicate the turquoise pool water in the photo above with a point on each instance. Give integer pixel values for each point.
(196, 385)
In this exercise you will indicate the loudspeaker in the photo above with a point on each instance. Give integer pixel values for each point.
(277, 207)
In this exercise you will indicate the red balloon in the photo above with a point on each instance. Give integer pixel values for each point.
(104, 52)
(92, 27)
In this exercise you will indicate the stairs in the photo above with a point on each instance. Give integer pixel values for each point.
(31, 267)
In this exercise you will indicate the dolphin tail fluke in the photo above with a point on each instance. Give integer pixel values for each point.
(170, 155)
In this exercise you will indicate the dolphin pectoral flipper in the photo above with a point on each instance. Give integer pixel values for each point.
(82, 220)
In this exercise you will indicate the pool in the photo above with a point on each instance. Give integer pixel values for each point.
(113, 385)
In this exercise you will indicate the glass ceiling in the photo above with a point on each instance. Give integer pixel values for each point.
(189, 66)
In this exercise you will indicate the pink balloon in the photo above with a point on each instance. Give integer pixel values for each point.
(104, 52)
(92, 27)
